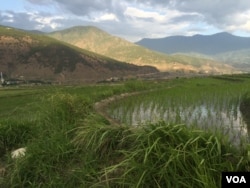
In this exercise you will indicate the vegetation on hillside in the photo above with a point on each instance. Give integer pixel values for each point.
(36, 56)
(96, 40)
(239, 59)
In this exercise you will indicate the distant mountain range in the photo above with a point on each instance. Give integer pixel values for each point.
(29, 56)
(224, 47)
(88, 54)
(98, 41)
(204, 44)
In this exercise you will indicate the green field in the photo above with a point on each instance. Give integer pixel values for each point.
(69, 144)
(210, 103)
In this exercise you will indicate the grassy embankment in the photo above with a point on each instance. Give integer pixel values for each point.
(69, 145)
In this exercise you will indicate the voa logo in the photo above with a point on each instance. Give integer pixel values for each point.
(236, 179)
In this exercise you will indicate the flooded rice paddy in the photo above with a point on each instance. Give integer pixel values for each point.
(209, 106)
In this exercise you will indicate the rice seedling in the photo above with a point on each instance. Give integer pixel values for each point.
(207, 103)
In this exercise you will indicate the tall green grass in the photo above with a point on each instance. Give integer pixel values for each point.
(51, 120)
(70, 145)
(50, 153)
(160, 155)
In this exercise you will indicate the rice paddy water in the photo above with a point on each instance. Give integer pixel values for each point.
(208, 103)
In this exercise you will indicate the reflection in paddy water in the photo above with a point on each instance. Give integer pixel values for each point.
(227, 118)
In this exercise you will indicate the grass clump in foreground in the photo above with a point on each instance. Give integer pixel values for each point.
(50, 154)
(160, 155)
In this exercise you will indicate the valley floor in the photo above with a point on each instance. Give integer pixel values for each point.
(72, 141)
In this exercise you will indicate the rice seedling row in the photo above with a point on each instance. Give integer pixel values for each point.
(208, 103)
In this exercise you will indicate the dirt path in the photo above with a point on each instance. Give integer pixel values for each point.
(101, 106)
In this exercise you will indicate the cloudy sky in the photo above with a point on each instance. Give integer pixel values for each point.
(131, 19)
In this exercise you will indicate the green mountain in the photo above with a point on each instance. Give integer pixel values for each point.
(96, 40)
(30, 56)
(239, 59)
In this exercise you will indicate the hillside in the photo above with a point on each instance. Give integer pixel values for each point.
(29, 56)
(239, 59)
(96, 40)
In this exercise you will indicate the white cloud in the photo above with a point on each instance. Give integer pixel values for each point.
(45, 21)
(134, 19)
(134, 12)
(106, 17)
(244, 19)
(7, 17)
(156, 24)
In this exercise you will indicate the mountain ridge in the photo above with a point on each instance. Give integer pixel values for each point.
(204, 44)
(101, 42)
(32, 56)
(223, 47)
